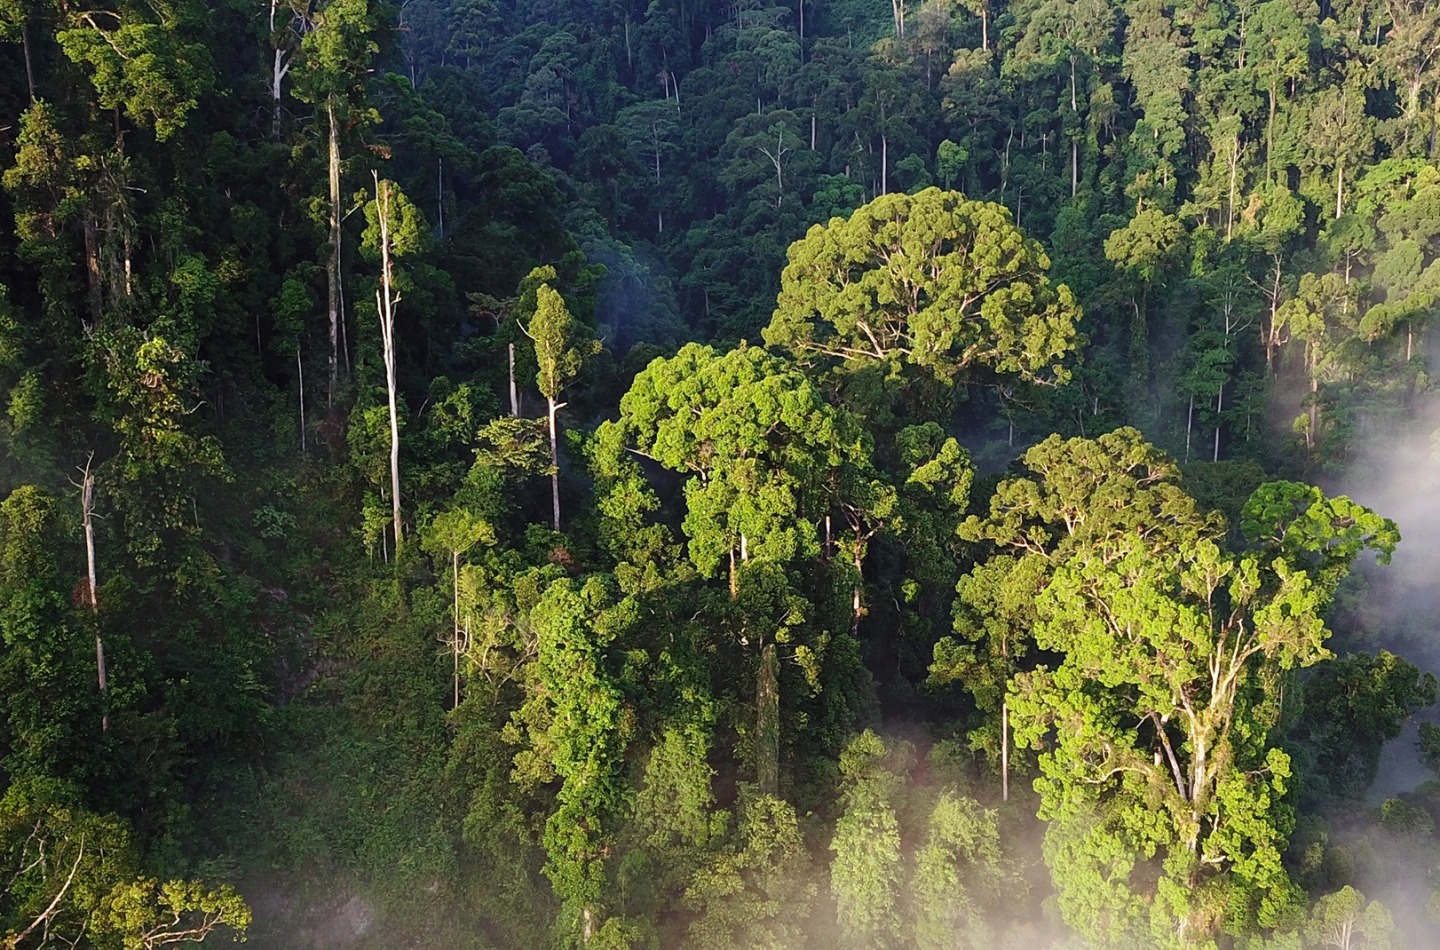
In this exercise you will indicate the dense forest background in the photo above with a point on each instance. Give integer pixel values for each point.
(509, 473)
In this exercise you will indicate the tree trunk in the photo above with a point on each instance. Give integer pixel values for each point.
(332, 269)
(884, 164)
(87, 510)
(767, 723)
(277, 76)
(1074, 143)
(90, 232)
(455, 633)
(1270, 136)
(300, 370)
(554, 467)
(514, 392)
(1005, 749)
(1313, 432)
(1339, 189)
(1230, 204)
(1189, 425)
(29, 69)
(387, 302)
(1219, 407)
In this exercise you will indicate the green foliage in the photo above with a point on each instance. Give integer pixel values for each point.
(932, 284)
(1127, 568)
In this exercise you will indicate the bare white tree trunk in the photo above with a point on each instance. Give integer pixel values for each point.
(554, 464)
(387, 299)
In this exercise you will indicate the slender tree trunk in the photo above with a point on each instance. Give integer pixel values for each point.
(29, 69)
(277, 76)
(455, 634)
(1074, 143)
(1313, 432)
(1270, 136)
(87, 510)
(387, 302)
(1219, 408)
(884, 164)
(332, 270)
(985, 27)
(90, 233)
(1005, 749)
(856, 607)
(554, 466)
(514, 392)
(1189, 425)
(440, 198)
(1339, 189)
(1230, 204)
(300, 369)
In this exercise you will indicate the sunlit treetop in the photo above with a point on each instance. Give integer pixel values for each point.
(933, 280)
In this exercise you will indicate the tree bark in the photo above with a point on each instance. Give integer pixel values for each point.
(554, 465)
(1189, 425)
(29, 69)
(514, 392)
(1219, 407)
(87, 510)
(455, 633)
(332, 269)
(300, 369)
(387, 300)
(1005, 750)
(767, 723)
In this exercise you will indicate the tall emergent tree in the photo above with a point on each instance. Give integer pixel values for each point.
(335, 56)
(562, 345)
(922, 290)
(1153, 724)
(395, 227)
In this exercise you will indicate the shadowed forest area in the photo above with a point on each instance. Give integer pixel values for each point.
(527, 473)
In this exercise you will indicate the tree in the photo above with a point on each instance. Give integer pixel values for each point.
(72, 875)
(574, 720)
(562, 345)
(394, 229)
(1345, 920)
(1153, 622)
(335, 55)
(756, 892)
(932, 285)
(155, 71)
(766, 462)
(865, 875)
(454, 532)
(1069, 31)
